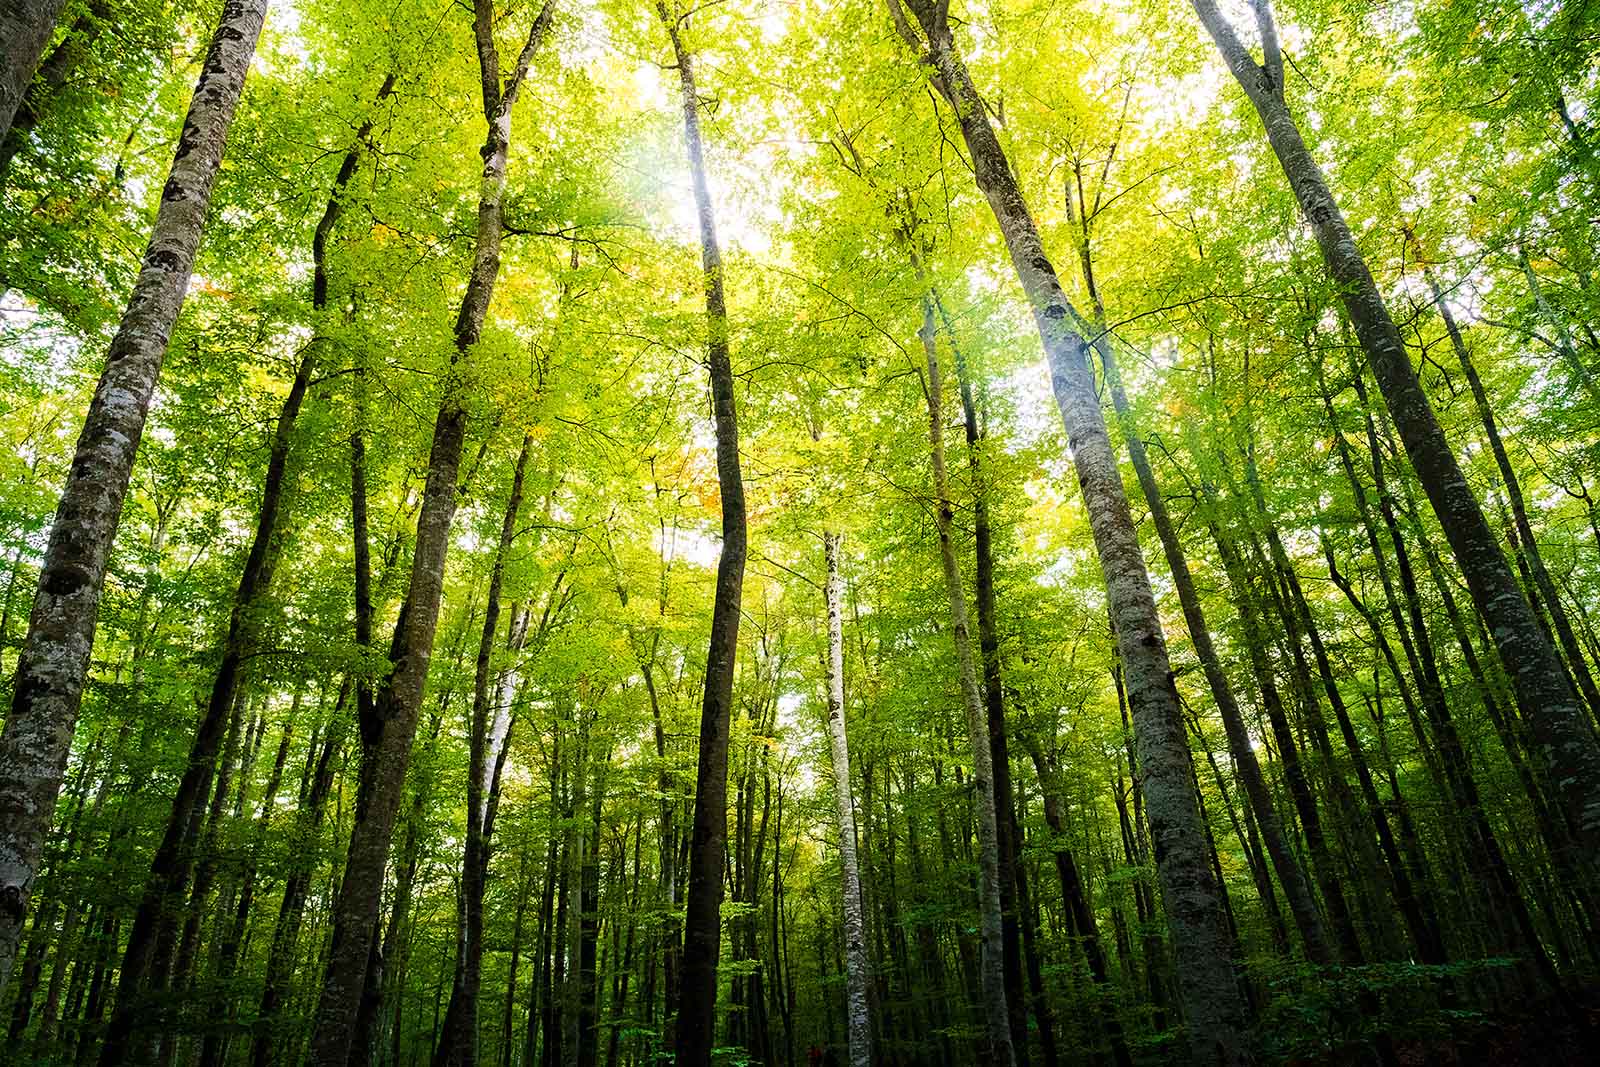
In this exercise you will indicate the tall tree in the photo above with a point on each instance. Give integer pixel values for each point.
(1211, 994)
(388, 735)
(1565, 741)
(991, 960)
(54, 664)
(702, 927)
(25, 30)
(855, 933)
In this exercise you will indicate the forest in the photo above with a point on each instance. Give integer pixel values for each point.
(550, 533)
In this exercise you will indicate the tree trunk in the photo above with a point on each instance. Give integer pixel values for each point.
(1013, 879)
(53, 72)
(266, 1045)
(54, 663)
(1075, 900)
(1212, 1000)
(1296, 888)
(400, 697)
(486, 739)
(1566, 742)
(855, 934)
(214, 1049)
(995, 991)
(1519, 508)
(697, 994)
(587, 1017)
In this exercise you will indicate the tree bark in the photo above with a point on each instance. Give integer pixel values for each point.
(1013, 878)
(858, 1019)
(1211, 995)
(214, 1049)
(26, 27)
(486, 739)
(399, 699)
(702, 931)
(54, 663)
(991, 963)
(53, 73)
(1566, 743)
(1529, 545)
(172, 865)
(264, 1049)
(1076, 901)
(1296, 887)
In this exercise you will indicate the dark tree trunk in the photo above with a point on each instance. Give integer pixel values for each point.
(1565, 740)
(1013, 879)
(488, 734)
(214, 1049)
(389, 733)
(1214, 1007)
(53, 73)
(1296, 888)
(588, 1014)
(25, 30)
(697, 994)
(267, 1043)
(1000, 1021)
(1080, 918)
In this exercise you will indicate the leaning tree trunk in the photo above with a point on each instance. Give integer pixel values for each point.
(855, 934)
(991, 961)
(54, 663)
(399, 700)
(26, 27)
(1212, 999)
(702, 928)
(1557, 612)
(1296, 887)
(1560, 728)
(173, 862)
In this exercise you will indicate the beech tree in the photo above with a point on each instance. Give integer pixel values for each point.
(638, 546)
(52, 668)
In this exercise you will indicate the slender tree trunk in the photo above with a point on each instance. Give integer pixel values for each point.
(1296, 887)
(1563, 346)
(996, 1012)
(214, 1049)
(697, 994)
(1213, 1003)
(1519, 508)
(855, 934)
(1013, 879)
(400, 698)
(265, 1045)
(587, 1017)
(1080, 918)
(54, 663)
(54, 71)
(539, 996)
(487, 734)
(1566, 742)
